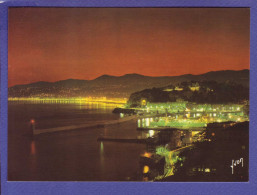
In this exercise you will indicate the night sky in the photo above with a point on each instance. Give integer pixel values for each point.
(51, 44)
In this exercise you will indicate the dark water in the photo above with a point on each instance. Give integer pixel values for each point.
(73, 155)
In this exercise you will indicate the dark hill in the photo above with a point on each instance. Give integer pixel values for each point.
(120, 86)
(210, 92)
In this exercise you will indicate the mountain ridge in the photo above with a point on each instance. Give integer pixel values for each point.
(120, 86)
(129, 74)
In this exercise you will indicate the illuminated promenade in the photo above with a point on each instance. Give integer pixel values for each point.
(184, 115)
(79, 100)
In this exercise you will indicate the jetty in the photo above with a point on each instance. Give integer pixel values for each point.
(81, 126)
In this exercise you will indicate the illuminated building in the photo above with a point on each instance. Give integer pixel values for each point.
(194, 87)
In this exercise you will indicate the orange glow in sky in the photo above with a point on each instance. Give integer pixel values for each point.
(51, 44)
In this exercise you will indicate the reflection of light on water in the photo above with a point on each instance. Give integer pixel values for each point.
(32, 148)
(102, 155)
(146, 169)
(102, 147)
(139, 122)
(143, 122)
(147, 122)
(151, 133)
(33, 159)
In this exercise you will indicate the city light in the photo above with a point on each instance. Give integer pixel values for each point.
(147, 154)
(146, 169)
(75, 100)
(32, 121)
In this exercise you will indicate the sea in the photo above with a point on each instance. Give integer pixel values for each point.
(74, 155)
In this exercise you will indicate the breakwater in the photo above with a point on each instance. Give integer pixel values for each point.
(73, 127)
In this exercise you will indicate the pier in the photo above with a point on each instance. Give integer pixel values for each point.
(73, 127)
